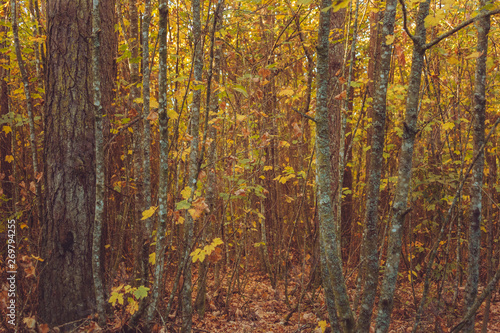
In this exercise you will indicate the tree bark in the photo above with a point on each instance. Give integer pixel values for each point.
(6, 168)
(399, 206)
(187, 309)
(331, 262)
(369, 246)
(66, 273)
(157, 289)
(483, 27)
(69, 153)
(99, 166)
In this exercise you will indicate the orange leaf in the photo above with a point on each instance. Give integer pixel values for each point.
(341, 96)
(152, 116)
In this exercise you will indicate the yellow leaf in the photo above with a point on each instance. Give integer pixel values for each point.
(152, 258)
(389, 39)
(172, 114)
(131, 130)
(322, 324)
(240, 118)
(284, 144)
(138, 100)
(23, 225)
(448, 126)
(286, 92)
(268, 167)
(154, 103)
(453, 61)
(9, 158)
(37, 258)
(148, 212)
(474, 55)
(195, 213)
(7, 129)
(217, 241)
(186, 192)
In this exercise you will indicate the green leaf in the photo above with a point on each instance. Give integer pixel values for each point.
(184, 204)
(141, 292)
(240, 89)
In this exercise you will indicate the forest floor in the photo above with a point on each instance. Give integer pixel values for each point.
(255, 306)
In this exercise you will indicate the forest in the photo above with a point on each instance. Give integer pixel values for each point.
(249, 166)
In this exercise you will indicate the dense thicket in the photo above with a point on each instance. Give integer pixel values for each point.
(350, 145)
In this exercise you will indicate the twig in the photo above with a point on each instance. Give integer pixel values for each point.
(120, 130)
(304, 115)
(413, 38)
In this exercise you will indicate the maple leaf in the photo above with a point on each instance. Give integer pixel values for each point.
(141, 292)
(6, 129)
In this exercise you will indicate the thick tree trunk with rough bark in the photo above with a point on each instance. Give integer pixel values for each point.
(66, 281)
(66, 273)
(479, 114)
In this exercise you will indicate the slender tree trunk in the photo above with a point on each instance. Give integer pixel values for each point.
(143, 144)
(99, 166)
(330, 261)
(369, 253)
(6, 188)
(483, 27)
(212, 107)
(399, 206)
(186, 309)
(29, 107)
(157, 290)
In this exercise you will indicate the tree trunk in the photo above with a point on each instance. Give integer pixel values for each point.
(399, 206)
(66, 273)
(187, 309)
(69, 176)
(6, 168)
(369, 246)
(331, 262)
(157, 289)
(479, 114)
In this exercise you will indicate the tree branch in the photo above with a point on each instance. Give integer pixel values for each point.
(304, 115)
(459, 27)
(405, 26)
